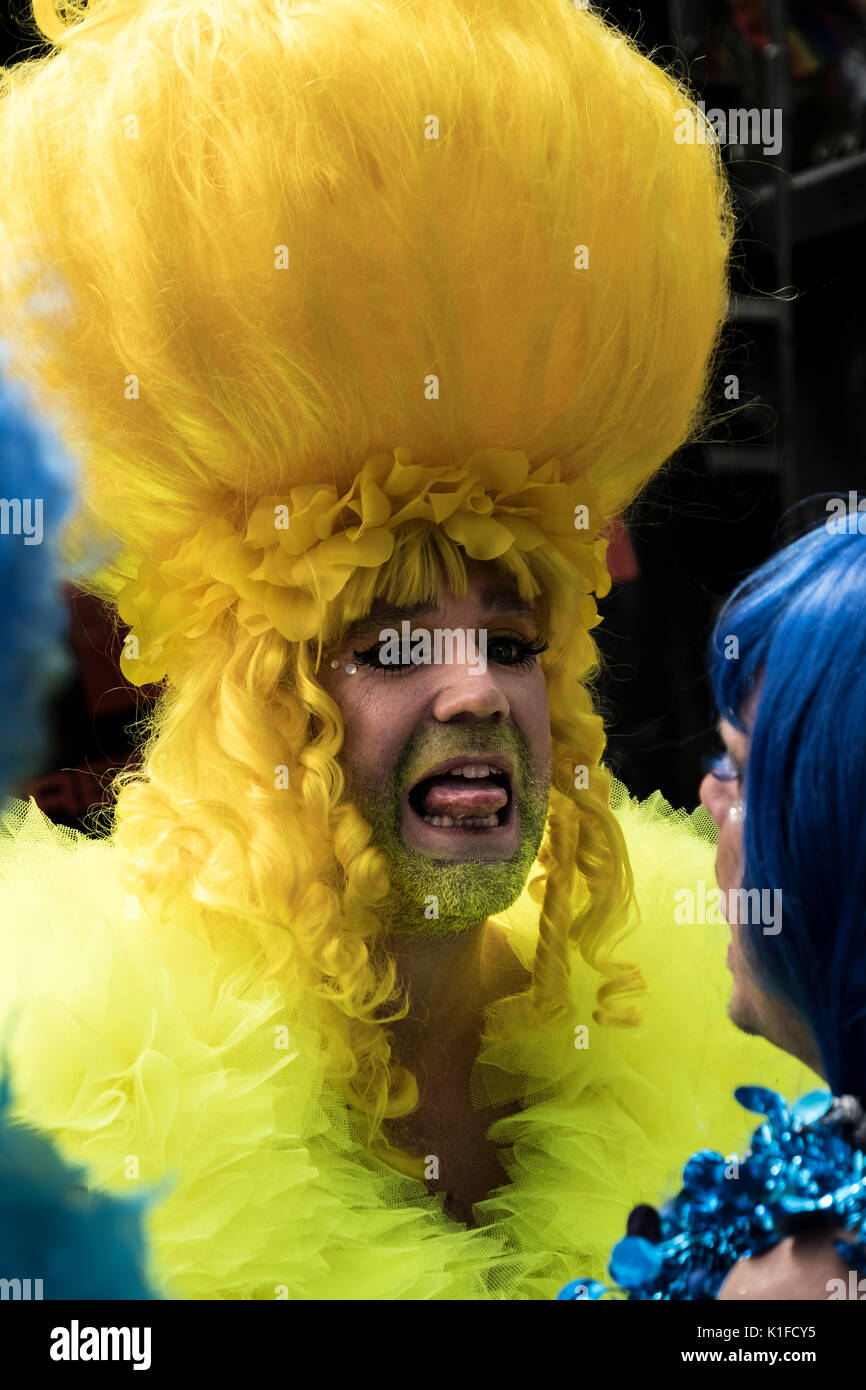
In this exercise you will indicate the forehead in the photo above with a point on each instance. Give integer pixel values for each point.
(738, 743)
(491, 594)
(487, 585)
(488, 592)
(494, 592)
(488, 598)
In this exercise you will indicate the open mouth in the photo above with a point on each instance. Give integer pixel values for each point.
(473, 793)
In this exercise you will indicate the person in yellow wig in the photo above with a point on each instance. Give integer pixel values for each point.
(366, 319)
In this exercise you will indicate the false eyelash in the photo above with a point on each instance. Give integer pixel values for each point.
(528, 649)
(370, 657)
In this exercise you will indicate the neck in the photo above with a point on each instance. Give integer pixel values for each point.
(451, 982)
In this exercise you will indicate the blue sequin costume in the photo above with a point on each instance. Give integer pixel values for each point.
(805, 1170)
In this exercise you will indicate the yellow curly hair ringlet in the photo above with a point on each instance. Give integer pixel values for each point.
(296, 556)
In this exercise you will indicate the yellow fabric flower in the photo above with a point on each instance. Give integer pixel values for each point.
(298, 552)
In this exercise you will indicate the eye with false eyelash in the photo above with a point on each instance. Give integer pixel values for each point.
(724, 769)
(526, 650)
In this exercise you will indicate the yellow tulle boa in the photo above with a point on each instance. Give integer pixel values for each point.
(165, 1063)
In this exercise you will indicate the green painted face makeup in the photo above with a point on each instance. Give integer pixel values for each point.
(443, 897)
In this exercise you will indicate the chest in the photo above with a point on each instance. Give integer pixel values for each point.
(450, 1134)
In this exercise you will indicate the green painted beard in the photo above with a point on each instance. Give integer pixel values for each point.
(463, 893)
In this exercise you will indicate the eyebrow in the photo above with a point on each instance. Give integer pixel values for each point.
(498, 600)
(493, 599)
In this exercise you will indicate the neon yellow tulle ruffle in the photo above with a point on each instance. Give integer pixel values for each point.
(157, 1061)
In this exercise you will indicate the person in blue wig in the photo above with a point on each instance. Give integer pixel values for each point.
(58, 1239)
(787, 1220)
(36, 481)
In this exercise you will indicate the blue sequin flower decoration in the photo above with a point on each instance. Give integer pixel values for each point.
(805, 1170)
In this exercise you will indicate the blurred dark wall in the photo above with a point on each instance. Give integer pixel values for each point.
(796, 343)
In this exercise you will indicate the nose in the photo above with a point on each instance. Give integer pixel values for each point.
(469, 694)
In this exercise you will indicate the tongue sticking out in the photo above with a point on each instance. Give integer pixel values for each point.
(455, 797)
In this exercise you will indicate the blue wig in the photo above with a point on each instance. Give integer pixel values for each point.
(800, 624)
(58, 1240)
(36, 478)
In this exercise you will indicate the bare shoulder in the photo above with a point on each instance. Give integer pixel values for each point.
(798, 1268)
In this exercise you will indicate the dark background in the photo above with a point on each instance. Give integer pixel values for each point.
(795, 340)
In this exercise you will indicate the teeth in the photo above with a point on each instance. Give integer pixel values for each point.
(474, 822)
(471, 770)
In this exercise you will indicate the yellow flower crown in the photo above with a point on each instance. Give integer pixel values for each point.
(296, 555)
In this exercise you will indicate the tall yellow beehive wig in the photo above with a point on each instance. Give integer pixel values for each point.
(252, 245)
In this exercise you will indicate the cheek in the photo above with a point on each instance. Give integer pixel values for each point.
(530, 711)
(738, 964)
(748, 996)
(376, 724)
(717, 798)
(729, 870)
